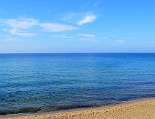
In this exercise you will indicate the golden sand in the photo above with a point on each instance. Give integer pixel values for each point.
(140, 109)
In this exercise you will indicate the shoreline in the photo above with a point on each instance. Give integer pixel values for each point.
(140, 108)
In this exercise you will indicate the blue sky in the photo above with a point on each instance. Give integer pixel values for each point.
(77, 26)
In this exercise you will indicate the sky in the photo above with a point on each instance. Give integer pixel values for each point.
(77, 26)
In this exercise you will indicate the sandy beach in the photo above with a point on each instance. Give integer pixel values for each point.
(138, 109)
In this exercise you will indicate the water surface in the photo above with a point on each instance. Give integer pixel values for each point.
(50, 82)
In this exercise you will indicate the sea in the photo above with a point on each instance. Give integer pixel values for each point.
(46, 82)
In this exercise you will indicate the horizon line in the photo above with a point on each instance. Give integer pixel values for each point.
(76, 52)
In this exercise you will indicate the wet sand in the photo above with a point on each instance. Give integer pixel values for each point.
(138, 109)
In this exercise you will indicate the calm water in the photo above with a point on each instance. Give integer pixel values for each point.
(49, 82)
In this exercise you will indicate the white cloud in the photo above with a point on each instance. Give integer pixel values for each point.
(25, 26)
(56, 27)
(28, 27)
(87, 19)
(21, 23)
(17, 32)
(19, 27)
(86, 35)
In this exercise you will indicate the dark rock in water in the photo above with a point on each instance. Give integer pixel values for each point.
(22, 110)
(29, 110)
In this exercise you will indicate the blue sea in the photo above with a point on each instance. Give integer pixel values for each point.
(51, 82)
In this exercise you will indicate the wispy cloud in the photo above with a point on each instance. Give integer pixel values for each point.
(87, 36)
(19, 26)
(87, 19)
(27, 26)
(23, 23)
(56, 27)
(17, 32)
(80, 18)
